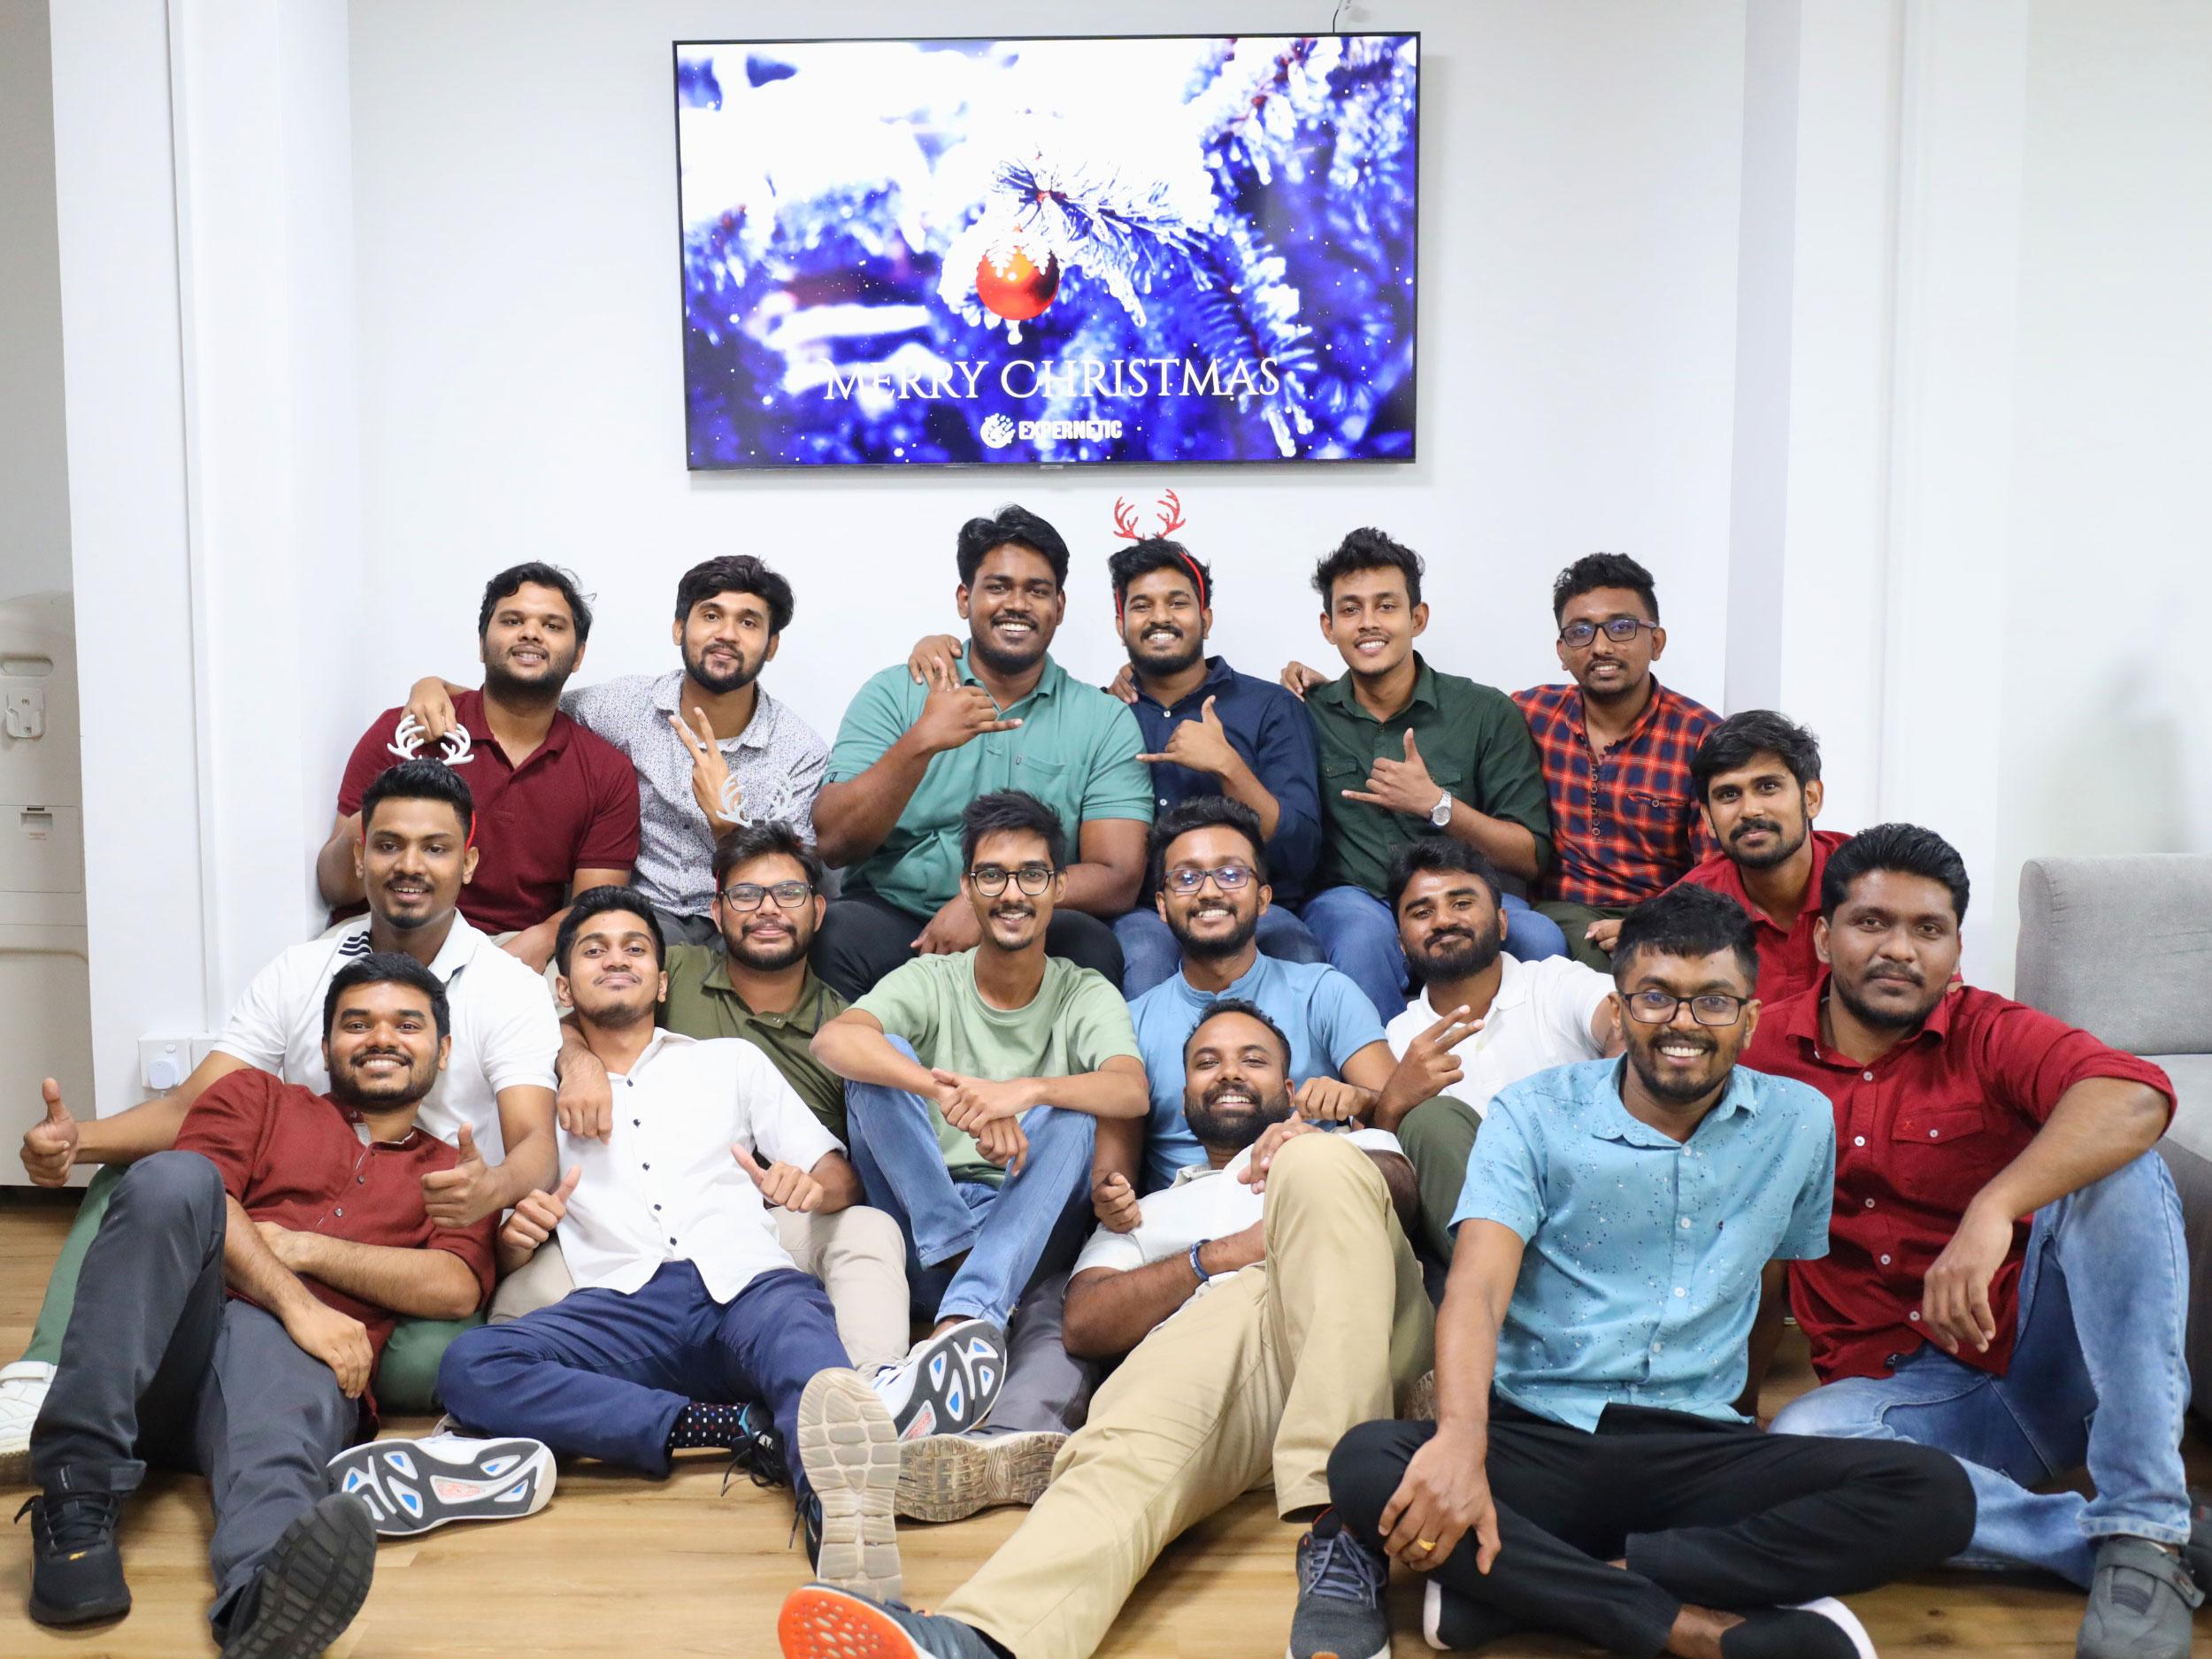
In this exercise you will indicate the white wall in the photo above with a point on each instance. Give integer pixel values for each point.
(33, 455)
(522, 372)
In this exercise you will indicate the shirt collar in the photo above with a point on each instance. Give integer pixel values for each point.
(757, 730)
(1338, 693)
(712, 977)
(1047, 684)
(663, 1041)
(1801, 1021)
(468, 708)
(360, 1126)
(1617, 1122)
(460, 947)
(1219, 678)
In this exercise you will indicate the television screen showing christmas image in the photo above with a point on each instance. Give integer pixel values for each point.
(908, 253)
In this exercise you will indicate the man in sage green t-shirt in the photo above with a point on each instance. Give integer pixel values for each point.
(974, 1079)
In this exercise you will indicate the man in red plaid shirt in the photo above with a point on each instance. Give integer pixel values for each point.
(1616, 746)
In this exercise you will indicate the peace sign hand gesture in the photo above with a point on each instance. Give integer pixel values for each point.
(712, 785)
(1400, 786)
(1430, 1067)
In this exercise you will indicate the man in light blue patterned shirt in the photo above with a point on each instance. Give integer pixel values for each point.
(1590, 1471)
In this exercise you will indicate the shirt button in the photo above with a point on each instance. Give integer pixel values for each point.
(360, 1181)
(1858, 1140)
(340, 1210)
(672, 1240)
(1869, 1203)
(1162, 803)
(1869, 1076)
(1686, 1223)
(1679, 1291)
(1932, 1134)
(1885, 1259)
(639, 1122)
(1914, 1314)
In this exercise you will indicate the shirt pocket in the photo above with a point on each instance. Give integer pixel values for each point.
(1056, 783)
(1943, 1156)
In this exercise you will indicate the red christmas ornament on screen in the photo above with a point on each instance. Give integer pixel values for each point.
(1009, 284)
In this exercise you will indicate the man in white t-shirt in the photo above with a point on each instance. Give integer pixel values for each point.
(415, 855)
(686, 1299)
(1266, 1300)
(1482, 1019)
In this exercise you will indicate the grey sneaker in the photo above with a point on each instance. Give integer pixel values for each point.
(950, 1477)
(2140, 1603)
(1340, 1586)
(850, 1453)
(948, 1384)
(823, 1622)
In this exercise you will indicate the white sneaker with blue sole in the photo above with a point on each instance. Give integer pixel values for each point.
(948, 1384)
(413, 1485)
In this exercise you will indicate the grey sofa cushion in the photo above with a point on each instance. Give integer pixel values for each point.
(2192, 1085)
(2121, 947)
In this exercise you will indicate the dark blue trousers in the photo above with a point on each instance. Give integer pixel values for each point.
(601, 1374)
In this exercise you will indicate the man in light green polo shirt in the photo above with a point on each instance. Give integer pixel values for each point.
(910, 758)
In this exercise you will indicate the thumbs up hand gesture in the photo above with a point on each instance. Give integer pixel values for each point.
(50, 1145)
(534, 1219)
(464, 1195)
(783, 1185)
(1202, 745)
(1400, 786)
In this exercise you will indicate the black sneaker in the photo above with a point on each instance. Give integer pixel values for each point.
(759, 1450)
(313, 1582)
(76, 1572)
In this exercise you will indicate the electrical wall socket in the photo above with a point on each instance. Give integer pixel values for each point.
(165, 1061)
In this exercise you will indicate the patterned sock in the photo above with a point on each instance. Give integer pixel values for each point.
(703, 1423)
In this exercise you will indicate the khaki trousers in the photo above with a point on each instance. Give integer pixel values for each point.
(1257, 1379)
(858, 1254)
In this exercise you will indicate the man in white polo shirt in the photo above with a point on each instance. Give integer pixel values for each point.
(1484, 1020)
(415, 857)
(1267, 1301)
(686, 1300)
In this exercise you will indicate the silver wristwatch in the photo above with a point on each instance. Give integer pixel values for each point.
(1441, 814)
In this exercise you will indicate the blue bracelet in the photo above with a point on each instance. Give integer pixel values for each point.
(1204, 1276)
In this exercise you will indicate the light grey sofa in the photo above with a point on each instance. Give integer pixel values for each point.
(2123, 947)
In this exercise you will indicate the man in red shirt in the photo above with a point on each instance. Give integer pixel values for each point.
(230, 1315)
(1616, 748)
(1939, 1316)
(556, 806)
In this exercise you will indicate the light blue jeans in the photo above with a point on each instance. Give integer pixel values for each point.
(1149, 954)
(1006, 1233)
(2097, 1376)
(1360, 936)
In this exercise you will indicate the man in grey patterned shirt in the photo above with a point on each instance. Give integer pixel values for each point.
(712, 750)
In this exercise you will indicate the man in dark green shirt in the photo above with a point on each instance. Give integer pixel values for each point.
(1407, 752)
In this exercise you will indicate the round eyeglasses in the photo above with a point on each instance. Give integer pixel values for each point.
(1190, 878)
(1656, 1007)
(747, 895)
(990, 880)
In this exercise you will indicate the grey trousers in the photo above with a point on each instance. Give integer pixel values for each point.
(158, 1365)
(1046, 1388)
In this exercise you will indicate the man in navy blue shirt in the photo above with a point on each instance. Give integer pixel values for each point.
(1211, 731)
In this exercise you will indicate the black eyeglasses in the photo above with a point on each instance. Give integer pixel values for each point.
(1229, 878)
(1712, 1008)
(747, 895)
(990, 880)
(1620, 630)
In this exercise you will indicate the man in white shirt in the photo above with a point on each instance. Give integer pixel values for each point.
(1250, 1300)
(1484, 1020)
(415, 857)
(681, 1278)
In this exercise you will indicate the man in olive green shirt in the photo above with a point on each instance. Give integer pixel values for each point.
(1407, 752)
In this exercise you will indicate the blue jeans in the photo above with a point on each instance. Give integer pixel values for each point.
(1360, 936)
(601, 1374)
(1005, 1231)
(2097, 1376)
(1149, 953)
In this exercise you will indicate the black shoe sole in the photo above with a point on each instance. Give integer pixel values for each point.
(312, 1583)
(81, 1613)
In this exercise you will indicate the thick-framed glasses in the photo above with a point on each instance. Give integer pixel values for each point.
(990, 880)
(1620, 630)
(747, 895)
(1229, 878)
(1656, 1007)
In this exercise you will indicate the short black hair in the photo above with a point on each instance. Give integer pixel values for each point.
(1594, 571)
(420, 780)
(736, 573)
(515, 578)
(1008, 810)
(1156, 553)
(1688, 921)
(1742, 738)
(1010, 525)
(1206, 811)
(1436, 855)
(1368, 550)
(1906, 848)
(387, 967)
(598, 901)
(748, 842)
(1243, 1005)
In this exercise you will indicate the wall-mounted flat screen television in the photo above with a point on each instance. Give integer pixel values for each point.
(1154, 249)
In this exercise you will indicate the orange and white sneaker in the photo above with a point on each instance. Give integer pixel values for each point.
(823, 1622)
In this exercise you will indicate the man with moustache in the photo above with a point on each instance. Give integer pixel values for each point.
(1590, 1471)
(1268, 1302)
(1406, 752)
(494, 1101)
(1616, 746)
(556, 807)
(909, 758)
(2024, 1349)
(710, 749)
(687, 1300)
(1757, 775)
(229, 1320)
(1483, 1020)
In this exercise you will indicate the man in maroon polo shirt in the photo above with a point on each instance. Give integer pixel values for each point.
(2025, 1348)
(556, 806)
(1616, 748)
(230, 1315)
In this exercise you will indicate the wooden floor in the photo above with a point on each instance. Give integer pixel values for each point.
(619, 1565)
